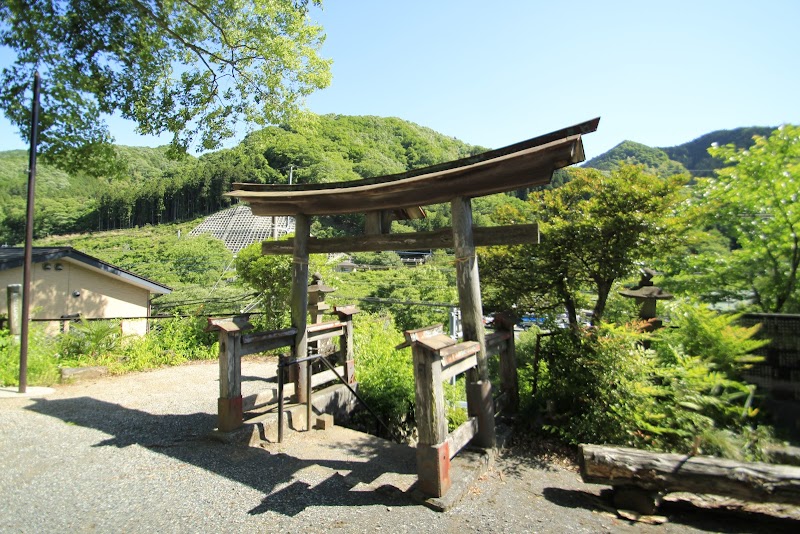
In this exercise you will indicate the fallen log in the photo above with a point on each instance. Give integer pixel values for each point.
(663, 473)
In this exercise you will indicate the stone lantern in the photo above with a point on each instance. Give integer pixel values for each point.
(316, 298)
(646, 295)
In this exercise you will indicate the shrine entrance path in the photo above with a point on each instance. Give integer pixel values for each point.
(132, 454)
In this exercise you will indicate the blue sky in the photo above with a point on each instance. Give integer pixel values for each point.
(660, 73)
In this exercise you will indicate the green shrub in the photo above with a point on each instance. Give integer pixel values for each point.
(713, 336)
(42, 362)
(603, 386)
(89, 342)
(385, 374)
(169, 342)
(386, 377)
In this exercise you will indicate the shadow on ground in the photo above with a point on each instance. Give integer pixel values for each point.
(681, 513)
(183, 437)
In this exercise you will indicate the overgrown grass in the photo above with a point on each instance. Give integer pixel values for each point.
(386, 377)
(101, 343)
(42, 365)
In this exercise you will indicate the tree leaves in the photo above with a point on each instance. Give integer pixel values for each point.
(594, 230)
(754, 202)
(192, 68)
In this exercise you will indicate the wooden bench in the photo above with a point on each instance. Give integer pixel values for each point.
(641, 478)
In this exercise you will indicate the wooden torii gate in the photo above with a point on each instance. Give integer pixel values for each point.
(525, 164)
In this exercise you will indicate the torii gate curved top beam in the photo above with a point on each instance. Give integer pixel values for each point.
(524, 164)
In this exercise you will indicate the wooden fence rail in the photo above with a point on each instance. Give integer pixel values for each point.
(235, 342)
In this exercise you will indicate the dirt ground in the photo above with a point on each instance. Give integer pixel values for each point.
(133, 454)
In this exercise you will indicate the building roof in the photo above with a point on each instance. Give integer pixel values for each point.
(13, 257)
(523, 164)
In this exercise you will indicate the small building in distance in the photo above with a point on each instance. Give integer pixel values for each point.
(66, 283)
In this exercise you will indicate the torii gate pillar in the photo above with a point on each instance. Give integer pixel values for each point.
(479, 389)
(299, 303)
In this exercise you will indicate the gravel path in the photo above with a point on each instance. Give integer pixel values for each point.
(130, 454)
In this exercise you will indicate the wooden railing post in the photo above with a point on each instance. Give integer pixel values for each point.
(345, 314)
(299, 303)
(509, 379)
(433, 451)
(229, 405)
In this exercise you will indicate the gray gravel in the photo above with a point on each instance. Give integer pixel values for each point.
(131, 454)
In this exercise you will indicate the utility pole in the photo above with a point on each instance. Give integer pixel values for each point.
(27, 262)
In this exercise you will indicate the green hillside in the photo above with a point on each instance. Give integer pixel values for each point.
(691, 157)
(151, 188)
(694, 154)
(654, 159)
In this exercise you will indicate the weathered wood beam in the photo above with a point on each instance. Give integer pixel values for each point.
(461, 436)
(467, 280)
(299, 302)
(482, 236)
(373, 223)
(270, 395)
(663, 472)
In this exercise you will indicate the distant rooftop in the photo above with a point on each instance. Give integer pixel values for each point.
(237, 227)
(13, 257)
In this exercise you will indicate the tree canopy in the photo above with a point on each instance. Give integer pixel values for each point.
(754, 201)
(192, 68)
(594, 230)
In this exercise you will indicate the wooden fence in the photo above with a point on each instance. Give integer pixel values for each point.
(437, 358)
(235, 342)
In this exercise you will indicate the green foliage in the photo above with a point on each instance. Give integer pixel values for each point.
(42, 366)
(694, 155)
(755, 201)
(408, 293)
(691, 157)
(701, 331)
(146, 187)
(595, 229)
(271, 276)
(156, 252)
(654, 160)
(90, 341)
(170, 342)
(602, 386)
(193, 69)
(378, 259)
(740, 239)
(385, 374)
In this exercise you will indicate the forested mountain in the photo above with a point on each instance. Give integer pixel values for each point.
(691, 157)
(150, 188)
(694, 154)
(654, 159)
